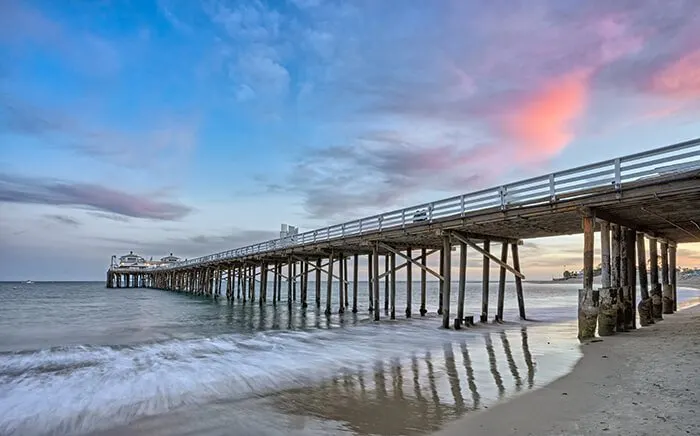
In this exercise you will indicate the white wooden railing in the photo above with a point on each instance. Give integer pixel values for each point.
(684, 156)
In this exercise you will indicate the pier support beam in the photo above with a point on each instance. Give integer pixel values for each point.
(341, 284)
(423, 277)
(587, 297)
(644, 308)
(673, 272)
(392, 265)
(409, 284)
(624, 314)
(667, 290)
(486, 270)
(355, 277)
(446, 279)
(317, 283)
(607, 311)
(290, 284)
(462, 285)
(304, 284)
(518, 281)
(375, 279)
(370, 280)
(345, 282)
(631, 243)
(329, 289)
(616, 276)
(655, 287)
(502, 282)
(386, 284)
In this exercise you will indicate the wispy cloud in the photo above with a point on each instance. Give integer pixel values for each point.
(25, 190)
(64, 220)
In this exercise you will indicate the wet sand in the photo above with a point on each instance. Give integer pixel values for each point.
(642, 382)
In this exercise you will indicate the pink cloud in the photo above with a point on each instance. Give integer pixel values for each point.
(680, 79)
(543, 124)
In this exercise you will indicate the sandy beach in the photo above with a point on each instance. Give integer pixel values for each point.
(643, 382)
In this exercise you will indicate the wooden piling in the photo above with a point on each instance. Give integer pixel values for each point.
(615, 276)
(318, 282)
(423, 279)
(667, 291)
(386, 283)
(588, 298)
(447, 279)
(502, 283)
(345, 282)
(304, 283)
(370, 280)
(441, 294)
(392, 265)
(252, 283)
(375, 279)
(329, 289)
(341, 273)
(355, 276)
(673, 272)
(632, 276)
(655, 286)
(624, 300)
(293, 278)
(409, 284)
(485, 284)
(462, 285)
(607, 310)
(275, 273)
(518, 281)
(644, 308)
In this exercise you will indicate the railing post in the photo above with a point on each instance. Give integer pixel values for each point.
(342, 230)
(403, 218)
(462, 205)
(502, 194)
(360, 227)
(430, 213)
(380, 219)
(552, 190)
(618, 175)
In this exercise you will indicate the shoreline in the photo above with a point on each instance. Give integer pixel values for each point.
(642, 382)
(692, 282)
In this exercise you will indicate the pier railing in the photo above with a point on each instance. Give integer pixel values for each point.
(568, 184)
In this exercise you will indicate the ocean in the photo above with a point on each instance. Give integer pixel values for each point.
(80, 359)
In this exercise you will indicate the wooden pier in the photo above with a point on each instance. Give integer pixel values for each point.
(650, 198)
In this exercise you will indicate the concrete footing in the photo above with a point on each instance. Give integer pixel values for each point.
(667, 299)
(644, 311)
(656, 301)
(588, 301)
(607, 311)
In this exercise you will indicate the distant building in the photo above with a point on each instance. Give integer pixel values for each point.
(169, 259)
(131, 259)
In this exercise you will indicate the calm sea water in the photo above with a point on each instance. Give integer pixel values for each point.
(77, 358)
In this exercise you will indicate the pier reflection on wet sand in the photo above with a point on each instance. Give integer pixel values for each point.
(419, 395)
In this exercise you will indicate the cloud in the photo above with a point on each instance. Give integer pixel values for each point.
(26, 190)
(544, 124)
(165, 143)
(680, 79)
(110, 216)
(65, 220)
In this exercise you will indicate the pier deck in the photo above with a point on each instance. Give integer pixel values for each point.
(654, 194)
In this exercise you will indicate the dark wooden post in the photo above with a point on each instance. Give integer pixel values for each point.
(518, 281)
(318, 283)
(666, 289)
(672, 267)
(386, 283)
(447, 279)
(423, 277)
(341, 274)
(355, 276)
(632, 276)
(392, 265)
(375, 279)
(624, 299)
(370, 280)
(485, 284)
(587, 297)
(409, 284)
(644, 308)
(502, 283)
(607, 311)
(290, 282)
(345, 282)
(462, 285)
(655, 286)
(329, 288)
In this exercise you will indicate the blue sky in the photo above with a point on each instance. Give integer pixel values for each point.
(192, 126)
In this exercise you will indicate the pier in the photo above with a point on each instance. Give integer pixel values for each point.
(649, 199)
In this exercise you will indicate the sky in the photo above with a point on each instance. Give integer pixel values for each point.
(196, 126)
